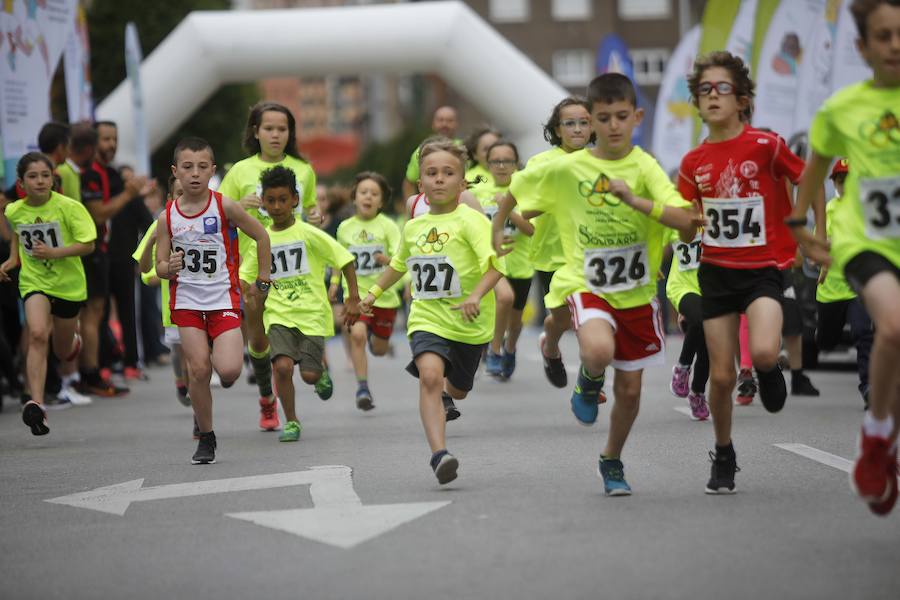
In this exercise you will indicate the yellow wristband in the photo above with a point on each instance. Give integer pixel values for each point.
(656, 212)
(376, 290)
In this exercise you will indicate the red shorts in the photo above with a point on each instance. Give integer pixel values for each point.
(381, 323)
(213, 322)
(639, 338)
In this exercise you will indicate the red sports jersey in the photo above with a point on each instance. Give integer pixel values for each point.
(742, 185)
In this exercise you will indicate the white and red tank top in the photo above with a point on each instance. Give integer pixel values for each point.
(209, 279)
(420, 206)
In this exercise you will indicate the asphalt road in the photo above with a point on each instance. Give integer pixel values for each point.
(527, 517)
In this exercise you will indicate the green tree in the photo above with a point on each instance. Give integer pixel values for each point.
(220, 120)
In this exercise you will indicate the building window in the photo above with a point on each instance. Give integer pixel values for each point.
(571, 10)
(573, 67)
(509, 11)
(649, 65)
(645, 9)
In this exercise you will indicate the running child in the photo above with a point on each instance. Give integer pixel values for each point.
(197, 251)
(739, 175)
(683, 291)
(860, 122)
(448, 253)
(478, 172)
(372, 239)
(52, 233)
(297, 314)
(270, 137)
(511, 291)
(613, 239)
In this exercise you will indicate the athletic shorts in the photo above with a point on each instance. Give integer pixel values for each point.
(460, 360)
(520, 287)
(638, 332)
(866, 265)
(96, 273)
(64, 309)
(381, 323)
(213, 322)
(793, 317)
(544, 278)
(729, 291)
(305, 350)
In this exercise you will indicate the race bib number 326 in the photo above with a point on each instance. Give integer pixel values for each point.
(734, 222)
(433, 277)
(610, 270)
(881, 207)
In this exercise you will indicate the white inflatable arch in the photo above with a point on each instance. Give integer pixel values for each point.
(209, 49)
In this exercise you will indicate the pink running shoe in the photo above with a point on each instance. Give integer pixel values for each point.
(679, 386)
(699, 407)
(746, 388)
(268, 414)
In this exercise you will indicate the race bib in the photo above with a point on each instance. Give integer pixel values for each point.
(508, 228)
(610, 270)
(289, 260)
(201, 261)
(735, 222)
(364, 258)
(881, 207)
(48, 233)
(433, 277)
(687, 255)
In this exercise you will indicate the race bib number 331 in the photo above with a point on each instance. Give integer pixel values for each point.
(433, 277)
(48, 234)
(610, 270)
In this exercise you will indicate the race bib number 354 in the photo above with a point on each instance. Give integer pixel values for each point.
(881, 207)
(735, 222)
(610, 270)
(433, 277)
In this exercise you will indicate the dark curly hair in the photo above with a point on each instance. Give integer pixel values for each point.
(278, 176)
(740, 77)
(554, 121)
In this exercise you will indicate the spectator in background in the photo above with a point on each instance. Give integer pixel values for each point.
(444, 122)
(149, 308)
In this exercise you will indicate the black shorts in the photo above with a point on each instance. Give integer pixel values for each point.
(64, 309)
(866, 265)
(520, 287)
(544, 278)
(790, 307)
(460, 360)
(96, 273)
(726, 291)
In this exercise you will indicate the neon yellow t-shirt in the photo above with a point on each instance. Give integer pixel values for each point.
(58, 223)
(835, 288)
(71, 181)
(243, 179)
(518, 262)
(364, 239)
(298, 298)
(682, 277)
(860, 122)
(150, 238)
(611, 249)
(546, 249)
(486, 182)
(447, 255)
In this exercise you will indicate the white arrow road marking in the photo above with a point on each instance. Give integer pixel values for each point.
(820, 456)
(339, 517)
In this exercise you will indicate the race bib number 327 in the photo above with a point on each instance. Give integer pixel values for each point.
(433, 277)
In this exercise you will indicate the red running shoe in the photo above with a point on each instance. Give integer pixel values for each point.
(874, 475)
(268, 414)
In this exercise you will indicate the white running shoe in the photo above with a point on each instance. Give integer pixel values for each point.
(70, 394)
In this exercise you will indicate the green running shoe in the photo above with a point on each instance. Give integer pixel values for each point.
(291, 432)
(324, 386)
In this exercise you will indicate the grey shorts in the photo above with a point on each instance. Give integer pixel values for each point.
(460, 360)
(305, 350)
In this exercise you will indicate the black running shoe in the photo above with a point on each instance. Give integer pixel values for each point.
(34, 415)
(450, 409)
(444, 466)
(553, 367)
(206, 450)
(772, 389)
(721, 478)
(802, 386)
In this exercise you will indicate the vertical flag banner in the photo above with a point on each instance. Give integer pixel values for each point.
(765, 12)
(133, 58)
(613, 57)
(32, 37)
(786, 52)
(716, 26)
(848, 66)
(814, 80)
(740, 40)
(673, 125)
(77, 60)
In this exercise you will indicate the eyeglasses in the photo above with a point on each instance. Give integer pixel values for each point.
(723, 88)
(571, 123)
(501, 163)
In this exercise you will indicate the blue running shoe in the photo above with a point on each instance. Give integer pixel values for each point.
(586, 397)
(493, 364)
(612, 471)
(507, 364)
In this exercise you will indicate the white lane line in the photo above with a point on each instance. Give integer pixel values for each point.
(820, 456)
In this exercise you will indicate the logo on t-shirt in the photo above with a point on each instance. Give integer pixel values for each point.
(210, 224)
(432, 241)
(597, 192)
(365, 236)
(884, 132)
(749, 169)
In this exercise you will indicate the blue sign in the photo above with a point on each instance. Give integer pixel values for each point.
(613, 57)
